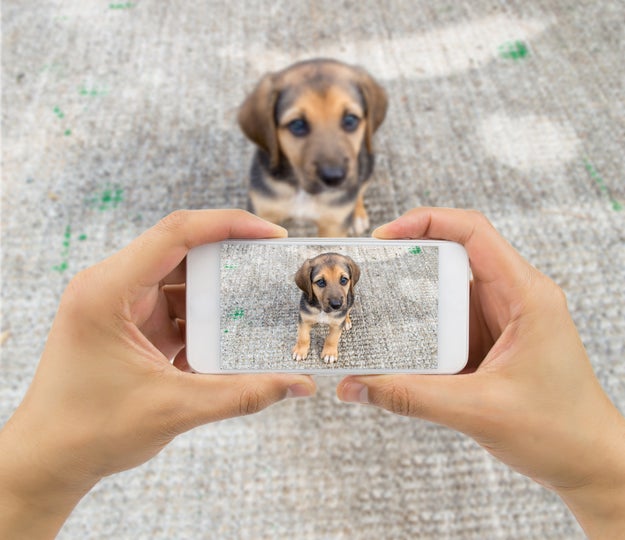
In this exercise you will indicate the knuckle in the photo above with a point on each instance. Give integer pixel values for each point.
(399, 400)
(478, 218)
(250, 401)
(558, 296)
(174, 221)
(78, 287)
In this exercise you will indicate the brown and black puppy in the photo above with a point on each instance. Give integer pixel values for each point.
(313, 124)
(327, 282)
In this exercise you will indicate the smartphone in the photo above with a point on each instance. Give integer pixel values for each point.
(328, 306)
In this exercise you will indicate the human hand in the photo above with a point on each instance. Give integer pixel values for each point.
(105, 396)
(529, 395)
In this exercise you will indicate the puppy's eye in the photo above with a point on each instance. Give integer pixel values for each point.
(343, 280)
(320, 283)
(298, 127)
(350, 122)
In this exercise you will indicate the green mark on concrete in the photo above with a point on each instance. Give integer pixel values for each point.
(109, 198)
(60, 268)
(415, 250)
(93, 92)
(514, 50)
(237, 314)
(616, 205)
(65, 253)
(67, 240)
(126, 5)
(60, 115)
(230, 266)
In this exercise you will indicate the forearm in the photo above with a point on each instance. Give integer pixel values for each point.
(34, 501)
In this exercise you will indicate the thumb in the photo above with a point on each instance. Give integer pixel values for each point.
(456, 401)
(208, 398)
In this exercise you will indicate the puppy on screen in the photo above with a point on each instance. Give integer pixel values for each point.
(313, 124)
(327, 282)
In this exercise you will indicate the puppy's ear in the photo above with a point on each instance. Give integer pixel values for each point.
(256, 117)
(302, 279)
(354, 271)
(376, 104)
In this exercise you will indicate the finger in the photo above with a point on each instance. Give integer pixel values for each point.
(177, 275)
(176, 300)
(451, 400)
(209, 398)
(181, 361)
(160, 250)
(162, 330)
(492, 257)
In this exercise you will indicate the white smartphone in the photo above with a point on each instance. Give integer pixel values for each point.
(331, 306)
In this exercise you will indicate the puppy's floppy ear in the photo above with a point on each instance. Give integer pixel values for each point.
(376, 104)
(302, 279)
(354, 271)
(256, 117)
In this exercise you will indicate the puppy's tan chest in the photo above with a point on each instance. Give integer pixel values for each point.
(322, 318)
(305, 206)
(290, 203)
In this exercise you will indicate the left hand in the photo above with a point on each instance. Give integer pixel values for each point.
(106, 396)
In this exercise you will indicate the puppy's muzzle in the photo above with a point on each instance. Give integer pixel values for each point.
(335, 303)
(332, 175)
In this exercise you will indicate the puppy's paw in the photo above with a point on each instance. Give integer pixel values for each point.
(300, 352)
(329, 355)
(360, 224)
(348, 325)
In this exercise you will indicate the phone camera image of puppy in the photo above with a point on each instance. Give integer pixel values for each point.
(313, 125)
(327, 282)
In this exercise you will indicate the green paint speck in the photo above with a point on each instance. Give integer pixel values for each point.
(616, 205)
(82, 237)
(93, 92)
(127, 5)
(514, 50)
(60, 267)
(109, 198)
(237, 314)
(415, 250)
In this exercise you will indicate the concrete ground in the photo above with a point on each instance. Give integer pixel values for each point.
(394, 316)
(116, 113)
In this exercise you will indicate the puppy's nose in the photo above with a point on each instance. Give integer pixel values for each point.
(336, 303)
(331, 175)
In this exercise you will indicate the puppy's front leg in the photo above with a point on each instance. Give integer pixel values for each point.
(360, 221)
(348, 323)
(331, 230)
(330, 351)
(300, 351)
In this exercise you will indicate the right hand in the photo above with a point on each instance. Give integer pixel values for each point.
(529, 395)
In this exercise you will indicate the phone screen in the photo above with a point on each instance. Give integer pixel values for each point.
(393, 311)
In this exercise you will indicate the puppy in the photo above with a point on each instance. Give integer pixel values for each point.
(327, 282)
(313, 124)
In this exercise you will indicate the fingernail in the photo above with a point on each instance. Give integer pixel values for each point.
(298, 390)
(375, 232)
(355, 393)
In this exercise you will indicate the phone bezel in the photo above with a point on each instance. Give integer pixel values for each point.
(203, 306)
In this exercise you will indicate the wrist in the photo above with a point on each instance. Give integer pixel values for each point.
(36, 497)
(599, 503)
